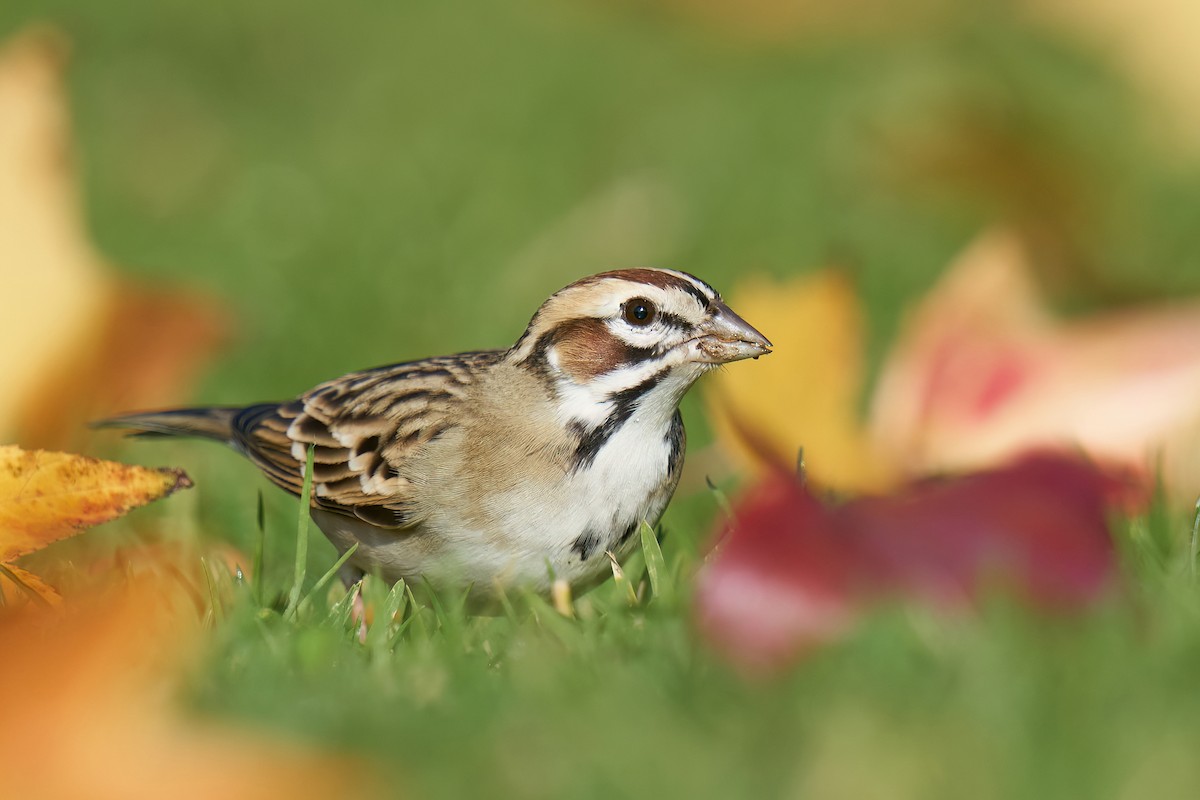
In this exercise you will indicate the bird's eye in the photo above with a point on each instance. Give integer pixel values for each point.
(639, 311)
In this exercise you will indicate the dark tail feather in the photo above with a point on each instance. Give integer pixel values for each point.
(204, 423)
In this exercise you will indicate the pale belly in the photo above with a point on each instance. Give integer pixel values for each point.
(563, 527)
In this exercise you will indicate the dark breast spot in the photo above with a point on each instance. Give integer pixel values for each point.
(676, 444)
(586, 544)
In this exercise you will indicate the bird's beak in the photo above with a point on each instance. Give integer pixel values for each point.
(727, 337)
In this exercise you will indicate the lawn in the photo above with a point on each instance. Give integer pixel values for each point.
(383, 182)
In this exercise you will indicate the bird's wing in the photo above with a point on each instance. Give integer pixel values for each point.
(364, 429)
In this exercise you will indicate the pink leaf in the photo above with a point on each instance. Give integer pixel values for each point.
(982, 372)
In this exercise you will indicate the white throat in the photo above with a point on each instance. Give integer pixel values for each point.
(649, 391)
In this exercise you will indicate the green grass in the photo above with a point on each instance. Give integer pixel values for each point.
(623, 700)
(387, 181)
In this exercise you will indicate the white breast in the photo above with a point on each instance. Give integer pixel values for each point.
(562, 524)
(568, 525)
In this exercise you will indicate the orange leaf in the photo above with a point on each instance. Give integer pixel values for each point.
(806, 393)
(86, 709)
(45, 496)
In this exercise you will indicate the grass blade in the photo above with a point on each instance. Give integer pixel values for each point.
(328, 576)
(417, 613)
(720, 497)
(380, 635)
(341, 611)
(301, 537)
(656, 565)
(37, 598)
(620, 580)
(447, 622)
(551, 621)
(505, 603)
(216, 607)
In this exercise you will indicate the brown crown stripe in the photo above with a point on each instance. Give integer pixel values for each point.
(654, 277)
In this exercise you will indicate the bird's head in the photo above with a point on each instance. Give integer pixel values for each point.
(619, 331)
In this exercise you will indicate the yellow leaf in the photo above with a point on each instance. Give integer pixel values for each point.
(45, 496)
(806, 393)
(44, 255)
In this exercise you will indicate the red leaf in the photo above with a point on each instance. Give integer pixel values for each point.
(793, 572)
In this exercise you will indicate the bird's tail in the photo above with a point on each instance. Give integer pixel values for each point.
(216, 422)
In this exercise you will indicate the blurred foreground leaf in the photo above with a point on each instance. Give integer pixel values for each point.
(793, 572)
(83, 714)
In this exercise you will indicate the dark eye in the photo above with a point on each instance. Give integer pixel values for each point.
(639, 311)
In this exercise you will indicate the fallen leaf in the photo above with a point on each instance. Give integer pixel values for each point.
(45, 497)
(780, 582)
(791, 572)
(87, 712)
(982, 371)
(806, 393)
(43, 251)
(76, 342)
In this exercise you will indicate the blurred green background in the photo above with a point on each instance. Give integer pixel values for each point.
(386, 181)
(372, 182)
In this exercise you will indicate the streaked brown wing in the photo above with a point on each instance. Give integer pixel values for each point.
(363, 427)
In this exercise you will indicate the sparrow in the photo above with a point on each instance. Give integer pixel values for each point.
(498, 468)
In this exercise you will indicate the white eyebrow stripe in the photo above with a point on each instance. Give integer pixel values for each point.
(709, 292)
